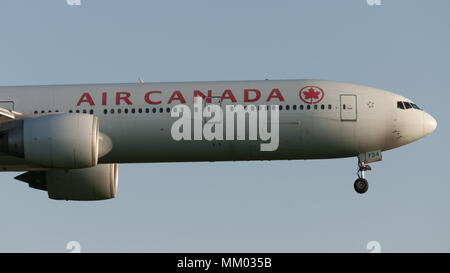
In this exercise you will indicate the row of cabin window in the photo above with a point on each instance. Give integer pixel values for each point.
(308, 107)
(70, 111)
(161, 110)
(105, 111)
(300, 107)
(112, 111)
(133, 110)
(289, 107)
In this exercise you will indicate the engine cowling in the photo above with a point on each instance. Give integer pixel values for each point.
(65, 141)
(88, 184)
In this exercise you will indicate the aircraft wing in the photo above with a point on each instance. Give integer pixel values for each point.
(6, 115)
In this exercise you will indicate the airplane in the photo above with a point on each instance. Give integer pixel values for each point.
(69, 139)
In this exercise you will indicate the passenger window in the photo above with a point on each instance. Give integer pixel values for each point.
(294, 107)
(329, 106)
(301, 107)
(343, 106)
(322, 107)
(308, 107)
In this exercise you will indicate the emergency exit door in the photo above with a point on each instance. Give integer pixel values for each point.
(348, 107)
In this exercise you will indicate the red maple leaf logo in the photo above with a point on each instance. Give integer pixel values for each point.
(312, 95)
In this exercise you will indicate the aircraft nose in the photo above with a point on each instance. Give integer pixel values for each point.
(429, 124)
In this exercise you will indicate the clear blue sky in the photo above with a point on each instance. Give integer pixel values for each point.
(296, 206)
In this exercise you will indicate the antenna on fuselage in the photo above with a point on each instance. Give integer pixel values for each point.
(140, 80)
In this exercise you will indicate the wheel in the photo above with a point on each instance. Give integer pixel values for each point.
(361, 185)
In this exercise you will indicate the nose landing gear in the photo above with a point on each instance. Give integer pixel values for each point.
(361, 185)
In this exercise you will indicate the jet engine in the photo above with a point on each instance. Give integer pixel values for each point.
(66, 141)
(88, 184)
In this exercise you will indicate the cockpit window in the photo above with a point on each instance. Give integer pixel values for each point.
(407, 105)
(415, 106)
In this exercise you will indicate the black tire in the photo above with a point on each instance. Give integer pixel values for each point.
(361, 185)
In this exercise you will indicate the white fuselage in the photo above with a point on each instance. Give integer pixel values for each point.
(342, 121)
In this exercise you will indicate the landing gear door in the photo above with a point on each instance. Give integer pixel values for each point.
(348, 107)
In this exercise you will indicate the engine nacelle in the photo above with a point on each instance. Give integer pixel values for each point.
(65, 141)
(88, 184)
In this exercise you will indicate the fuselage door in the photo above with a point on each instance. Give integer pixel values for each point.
(8, 105)
(348, 107)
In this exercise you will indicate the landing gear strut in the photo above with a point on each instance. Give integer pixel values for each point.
(361, 185)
